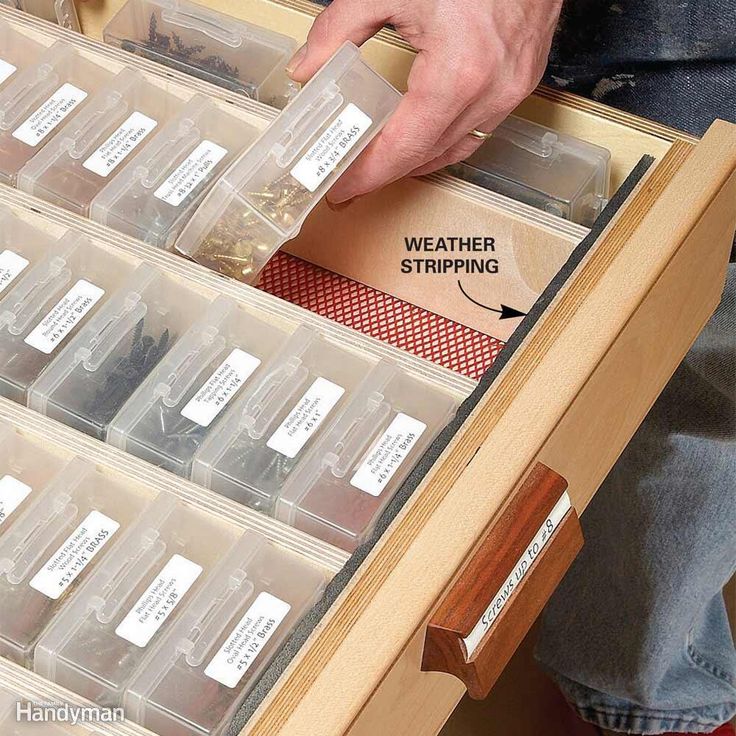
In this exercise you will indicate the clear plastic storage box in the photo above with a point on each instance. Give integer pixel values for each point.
(184, 399)
(26, 469)
(263, 199)
(272, 426)
(217, 48)
(195, 680)
(51, 302)
(103, 139)
(22, 247)
(153, 199)
(116, 351)
(16, 51)
(60, 12)
(40, 101)
(340, 490)
(53, 545)
(100, 640)
(554, 172)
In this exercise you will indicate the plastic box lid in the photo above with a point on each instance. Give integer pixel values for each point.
(557, 173)
(42, 311)
(98, 642)
(352, 474)
(22, 247)
(16, 51)
(61, 12)
(195, 680)
(217, 48)
(104, 138)
(265, 196)
(53, 545)
(271, 427)
(186, 397)
(40, 101)
(152, 199)
(114, 353)
(26, 468)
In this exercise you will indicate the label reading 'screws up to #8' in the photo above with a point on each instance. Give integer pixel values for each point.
(120, 144)
(165, 593)
(306, 417)
(70, 560)
(331, 147)
(64, 317)
(387, 454)
(51, 114)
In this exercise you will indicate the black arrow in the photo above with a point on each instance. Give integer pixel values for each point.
(505, 311)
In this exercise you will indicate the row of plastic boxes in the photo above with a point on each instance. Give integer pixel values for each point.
(128, 600)
(116, 148)
(83, 152)
(73, 135)
(241, 57)
(294, 426)
(557, 173)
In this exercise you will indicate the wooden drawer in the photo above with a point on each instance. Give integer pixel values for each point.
(573, 384)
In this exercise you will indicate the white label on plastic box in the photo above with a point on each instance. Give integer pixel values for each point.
(332, 146)
(50, 115)
(520, 571)
(78, 551)
(11, 265)
(6, 70)
(64, 317)
(120, 144)
(220, 388)
(306, 417)
(164, 594)
(191, 173)
(387, 454)
(12, 494)
(247, 640)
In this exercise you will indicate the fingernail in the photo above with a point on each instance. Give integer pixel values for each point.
(340, 206)
(296, 60)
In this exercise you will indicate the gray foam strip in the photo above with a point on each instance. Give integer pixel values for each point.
(305, 628)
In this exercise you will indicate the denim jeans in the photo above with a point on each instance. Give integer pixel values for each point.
(637, 636)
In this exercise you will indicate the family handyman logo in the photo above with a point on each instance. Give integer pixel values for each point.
(27, 712)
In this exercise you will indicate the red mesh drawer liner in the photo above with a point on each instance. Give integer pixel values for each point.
(391, 320)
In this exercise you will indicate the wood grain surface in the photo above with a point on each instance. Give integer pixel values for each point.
(486, 572)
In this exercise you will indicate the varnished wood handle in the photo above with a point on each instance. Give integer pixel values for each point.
(504, 585)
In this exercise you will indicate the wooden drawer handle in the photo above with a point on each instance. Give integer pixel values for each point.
(520, 562)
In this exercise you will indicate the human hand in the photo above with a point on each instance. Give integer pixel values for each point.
(476, 62)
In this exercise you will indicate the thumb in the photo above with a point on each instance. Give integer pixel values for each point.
(343, 20)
